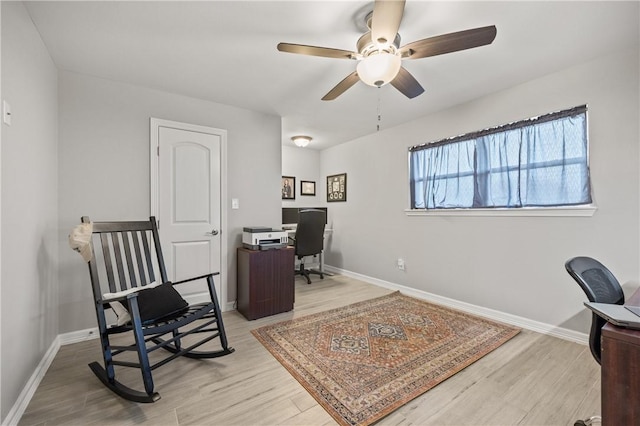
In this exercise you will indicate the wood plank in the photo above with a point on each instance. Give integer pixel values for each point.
(532, 379)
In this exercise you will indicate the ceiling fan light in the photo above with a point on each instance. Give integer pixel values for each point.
(301, 141)
(379, 69)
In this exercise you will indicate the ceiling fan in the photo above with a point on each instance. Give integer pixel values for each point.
(380, 55)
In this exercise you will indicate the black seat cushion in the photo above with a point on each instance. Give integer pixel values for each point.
(160, 302)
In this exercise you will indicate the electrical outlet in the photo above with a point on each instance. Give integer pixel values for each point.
(6, 113)
(401, 264)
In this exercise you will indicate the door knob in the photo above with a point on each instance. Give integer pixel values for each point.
(213, 232)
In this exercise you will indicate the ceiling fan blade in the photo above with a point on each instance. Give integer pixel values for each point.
(342, 87)
(448, 43)
(407, 84)
(325, 52)
(385, 22)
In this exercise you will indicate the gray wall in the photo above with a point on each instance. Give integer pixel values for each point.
(80, 146)
(511, 264)
(304, 164)
(29, 203)
(104, 169)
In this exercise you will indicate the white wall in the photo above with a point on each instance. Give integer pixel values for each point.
(104, 169)
(303, 164)
(29, 203)
(511, 264)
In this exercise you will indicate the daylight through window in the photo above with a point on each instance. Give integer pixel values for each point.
(539, 162)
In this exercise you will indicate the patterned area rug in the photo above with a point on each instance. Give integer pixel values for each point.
(363, 361)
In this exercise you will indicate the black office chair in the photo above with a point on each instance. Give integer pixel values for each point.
(600, 286)
(309, 239)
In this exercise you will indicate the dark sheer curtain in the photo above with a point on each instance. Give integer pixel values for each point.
(540, 162)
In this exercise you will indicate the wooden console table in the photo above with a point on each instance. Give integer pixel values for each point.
(620, 371)
(265, 282)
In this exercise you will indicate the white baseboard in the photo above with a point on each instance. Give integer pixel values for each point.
(203, 297)
(539, 327)
(16, 412)
(78, 336)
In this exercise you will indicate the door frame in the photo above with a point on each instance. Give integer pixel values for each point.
(154, 147)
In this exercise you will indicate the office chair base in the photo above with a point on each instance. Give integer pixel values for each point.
(321, 273)
(306, 272)
(589, 421)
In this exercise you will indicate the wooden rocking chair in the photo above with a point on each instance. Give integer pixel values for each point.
(121, 253)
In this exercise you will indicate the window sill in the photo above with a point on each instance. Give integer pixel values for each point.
(571, 211)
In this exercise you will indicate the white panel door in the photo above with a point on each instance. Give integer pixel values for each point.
(189, 204)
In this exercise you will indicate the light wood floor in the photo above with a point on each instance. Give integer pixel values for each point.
(531, 380)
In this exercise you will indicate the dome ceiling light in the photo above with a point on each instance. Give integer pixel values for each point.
(301, 141)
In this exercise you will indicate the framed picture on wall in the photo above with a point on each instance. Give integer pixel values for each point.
(337, 187)
(288, 188)
(307, 187)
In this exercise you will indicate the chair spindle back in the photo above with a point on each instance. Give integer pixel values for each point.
(125, 255)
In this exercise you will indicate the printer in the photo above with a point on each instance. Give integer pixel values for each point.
(263, 238)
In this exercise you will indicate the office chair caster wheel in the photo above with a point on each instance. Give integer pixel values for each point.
(588, 422)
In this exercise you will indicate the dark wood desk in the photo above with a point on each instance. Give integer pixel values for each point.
(621, 373)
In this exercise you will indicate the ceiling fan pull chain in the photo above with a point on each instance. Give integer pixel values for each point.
(379, 113)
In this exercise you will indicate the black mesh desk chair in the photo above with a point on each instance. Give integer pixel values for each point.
(309, 239)
(600, 286)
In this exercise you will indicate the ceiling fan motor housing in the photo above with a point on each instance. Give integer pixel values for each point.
(365, 45)
(377, 67)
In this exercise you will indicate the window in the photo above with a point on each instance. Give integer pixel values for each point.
(539, 162)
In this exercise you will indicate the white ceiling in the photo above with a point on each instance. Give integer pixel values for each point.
(225, 51)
